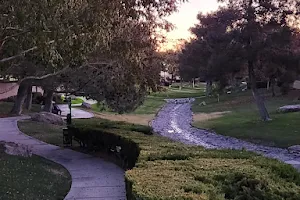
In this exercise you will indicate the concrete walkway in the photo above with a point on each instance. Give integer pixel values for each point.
(92, 178)
(76, 113)
(174, 121)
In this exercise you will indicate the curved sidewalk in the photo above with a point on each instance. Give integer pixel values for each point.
(174, 121)
(92, 178)
(76, 113)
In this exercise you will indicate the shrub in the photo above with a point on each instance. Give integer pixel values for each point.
(164, 169)
(9, 99)
(96, 139)
(37, 98)
(58, 99)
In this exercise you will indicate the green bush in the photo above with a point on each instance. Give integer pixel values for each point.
(98, 139)
(163, 169)
(37, 98)
(9, 99)
(58, 99)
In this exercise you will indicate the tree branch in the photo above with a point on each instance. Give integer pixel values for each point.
(22, 53)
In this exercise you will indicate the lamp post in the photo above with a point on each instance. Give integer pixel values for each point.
(69, 116)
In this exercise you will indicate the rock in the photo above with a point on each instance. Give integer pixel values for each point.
(294, 149)
(203, 103)
(86, 105)
(180, 101)
(17, 149)
(48, 118)
(289, 108)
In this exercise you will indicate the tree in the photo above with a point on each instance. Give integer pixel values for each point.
(61, 36)
(212, 55)
(170, 61)
(260, 21)
(280, 60)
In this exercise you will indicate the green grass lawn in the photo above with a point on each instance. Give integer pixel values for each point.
(244, 122)
(155, 101)
(169, 170)
(6, 107)
(77, 101)
(51, 134)
(32, 178)
(180, 93)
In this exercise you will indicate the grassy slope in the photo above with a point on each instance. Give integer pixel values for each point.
(170, 170)
(5, 108)
(155, 101)
(77, 101)
(243, 122)
(32, 178)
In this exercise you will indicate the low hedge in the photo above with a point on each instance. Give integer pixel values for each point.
(164, 169)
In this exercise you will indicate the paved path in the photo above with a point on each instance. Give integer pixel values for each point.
(174, 121)
(92, 178)
(76, 113)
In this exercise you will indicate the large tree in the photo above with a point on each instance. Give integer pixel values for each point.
(261, 20)
(212, 55)
(95, 36)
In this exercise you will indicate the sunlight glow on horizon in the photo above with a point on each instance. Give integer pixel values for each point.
(185, 18)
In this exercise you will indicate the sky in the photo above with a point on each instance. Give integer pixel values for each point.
(185, 18)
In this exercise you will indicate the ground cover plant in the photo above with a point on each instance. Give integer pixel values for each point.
(32, 178)
(158, 168)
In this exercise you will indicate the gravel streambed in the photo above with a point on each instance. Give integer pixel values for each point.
(174, 121)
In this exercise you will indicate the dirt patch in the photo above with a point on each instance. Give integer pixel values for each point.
(14, 149)
(207, 116)
(134, 119)
(56, 172)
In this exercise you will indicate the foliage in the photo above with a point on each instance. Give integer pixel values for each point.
(212, 55)
(185, 172)
(102, 48)
(32, 178)
(37, 98)
(169, 170)
(246, 34)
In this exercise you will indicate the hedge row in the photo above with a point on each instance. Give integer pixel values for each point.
(163, 169)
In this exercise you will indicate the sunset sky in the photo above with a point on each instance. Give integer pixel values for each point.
(186, 17)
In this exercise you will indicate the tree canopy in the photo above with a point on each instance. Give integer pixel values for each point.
(246, 35)
(110, 43)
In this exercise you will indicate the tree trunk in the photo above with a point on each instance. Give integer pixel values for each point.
(258, 99)
(22, 91)
(208, 88)
(193, 83)
(28, 102)
(273, 82)
(180, 88)
(48, 101)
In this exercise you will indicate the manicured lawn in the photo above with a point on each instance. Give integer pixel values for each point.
(183, 93)
(151, 105)
(169, 170)
(155, 101)
(77, 101)
(5, 108)
(32, 178)
(49, 133)
(244, 122)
